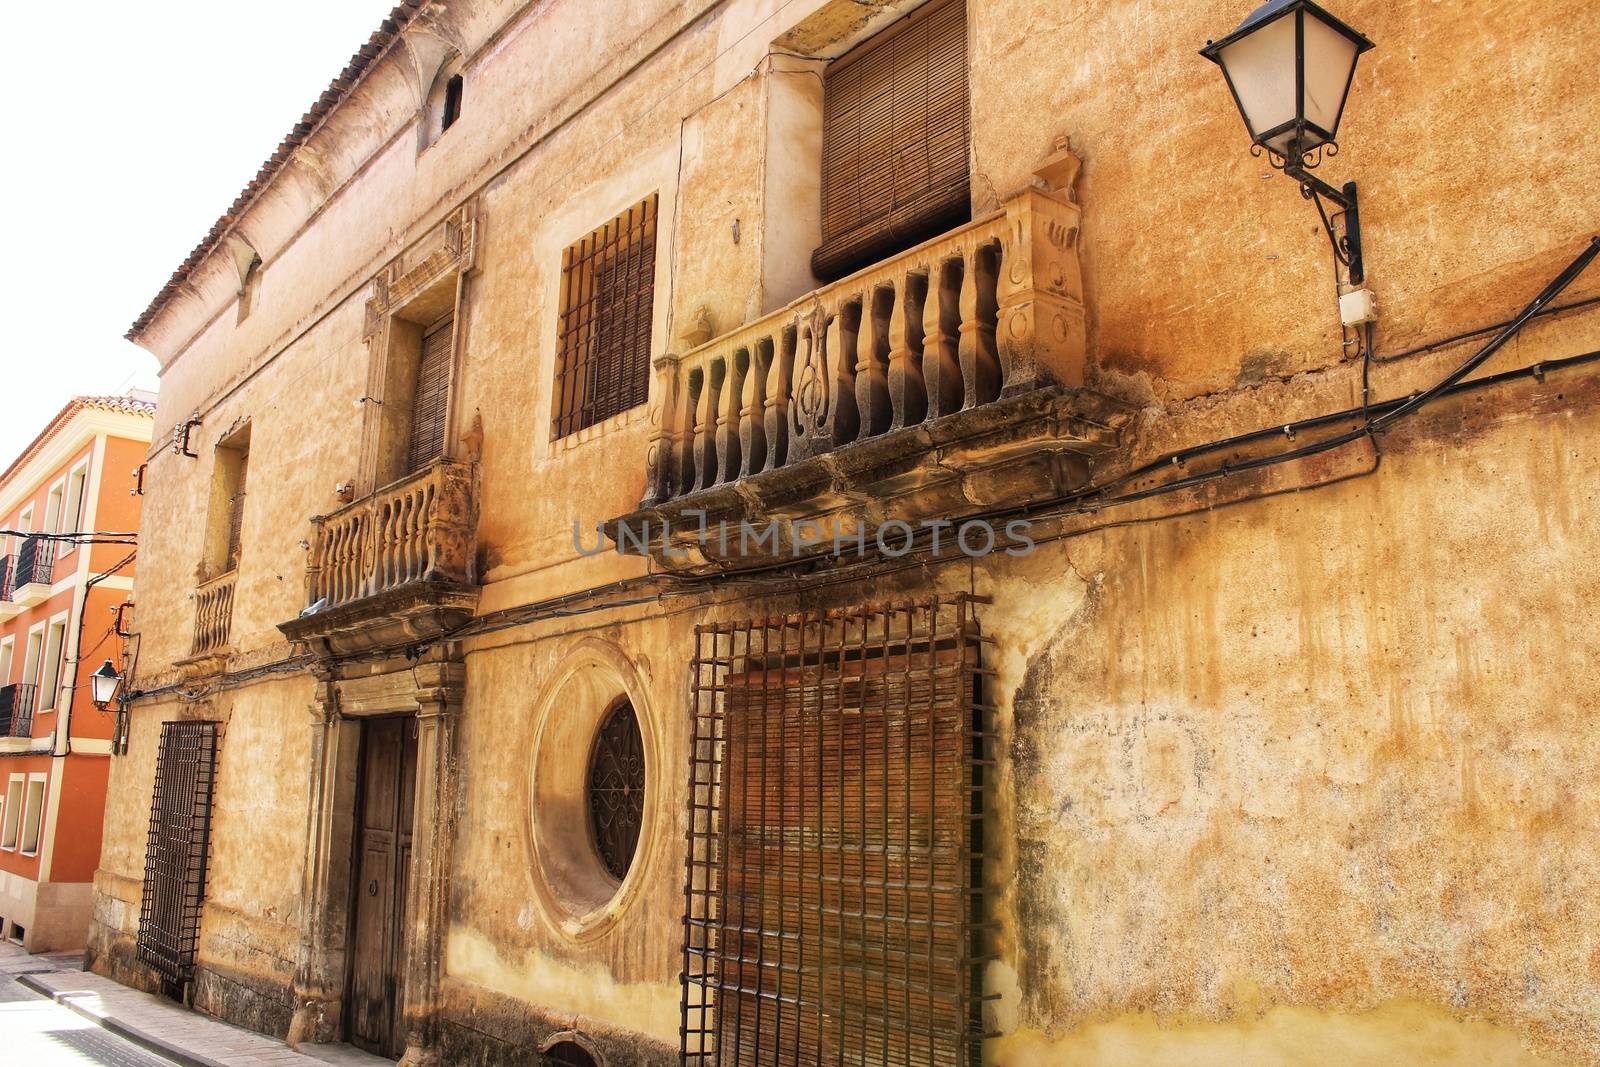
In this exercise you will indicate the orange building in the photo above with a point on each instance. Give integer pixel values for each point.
(59, 608)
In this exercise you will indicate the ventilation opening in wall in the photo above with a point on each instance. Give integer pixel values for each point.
(567, 1053)
(18, 933)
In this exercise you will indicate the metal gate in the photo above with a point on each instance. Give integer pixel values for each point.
(175, 852)
(833, 891)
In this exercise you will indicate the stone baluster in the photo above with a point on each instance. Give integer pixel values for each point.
(736, 365)
(872, 380)
(907, 393)
(779, 389)
(705, 446)
(753, 436)
(980, 366)
(690, 384)
(662, 445)
(840, 342)
(941, 319)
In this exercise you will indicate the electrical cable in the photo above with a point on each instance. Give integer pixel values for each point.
(1374, 419)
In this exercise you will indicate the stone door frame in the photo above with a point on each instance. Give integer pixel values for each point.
(430, 688)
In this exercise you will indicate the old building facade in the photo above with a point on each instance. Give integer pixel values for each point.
(1240, 711)
(64, 598)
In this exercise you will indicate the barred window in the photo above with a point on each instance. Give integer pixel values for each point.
(607, 292)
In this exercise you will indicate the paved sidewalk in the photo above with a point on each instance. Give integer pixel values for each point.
(166, 1028)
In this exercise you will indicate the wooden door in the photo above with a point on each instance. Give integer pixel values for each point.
(376, 1016)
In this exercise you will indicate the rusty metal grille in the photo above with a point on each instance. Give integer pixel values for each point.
(834, 881)
(176, 850)
(616, 789)
(607, 293)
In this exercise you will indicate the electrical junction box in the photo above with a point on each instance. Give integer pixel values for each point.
(1358, 306)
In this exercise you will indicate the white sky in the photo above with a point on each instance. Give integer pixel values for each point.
(131, 127)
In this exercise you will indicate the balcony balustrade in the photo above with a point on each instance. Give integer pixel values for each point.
(213, 614)
(396, 561)
(993, 309)
(32, 572)
(937, 383)
(17, 702)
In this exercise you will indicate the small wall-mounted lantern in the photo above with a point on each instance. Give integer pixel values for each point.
(1289, 66)
(103, 685)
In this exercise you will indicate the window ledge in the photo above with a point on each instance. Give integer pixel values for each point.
(604, 428)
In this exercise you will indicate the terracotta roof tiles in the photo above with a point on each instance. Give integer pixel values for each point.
(127, 405)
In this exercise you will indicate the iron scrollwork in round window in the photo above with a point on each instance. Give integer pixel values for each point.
(616, 789)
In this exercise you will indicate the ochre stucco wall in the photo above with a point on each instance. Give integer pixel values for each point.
(1305, 780)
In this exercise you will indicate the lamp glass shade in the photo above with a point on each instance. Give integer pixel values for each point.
(103, 683)
(1289, 66)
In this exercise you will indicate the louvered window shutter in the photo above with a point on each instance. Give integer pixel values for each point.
(236, 512)
(431, 398)
(894, 141)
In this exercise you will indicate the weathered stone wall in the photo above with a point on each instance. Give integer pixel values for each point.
(1308, 773)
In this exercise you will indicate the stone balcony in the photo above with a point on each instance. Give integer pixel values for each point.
(931, 386)
(213, 615)
(392, 568)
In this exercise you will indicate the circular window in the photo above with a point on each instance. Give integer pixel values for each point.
(616, 789)
(592, 790)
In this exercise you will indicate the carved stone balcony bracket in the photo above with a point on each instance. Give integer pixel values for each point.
(392, 568)
(407, 615)
(447, 249)
(1011, 452)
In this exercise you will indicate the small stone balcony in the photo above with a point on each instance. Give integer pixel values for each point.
(213, 614)
(930, 386)
(393, 567)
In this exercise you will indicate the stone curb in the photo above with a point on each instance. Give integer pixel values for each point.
(149, 1042)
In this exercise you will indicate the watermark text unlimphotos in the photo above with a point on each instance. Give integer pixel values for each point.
(974, 538)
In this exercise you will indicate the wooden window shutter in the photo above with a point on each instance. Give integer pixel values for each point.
(431, 399)
(894, 141)
(236, 512)
(607, 295)
(834, 904)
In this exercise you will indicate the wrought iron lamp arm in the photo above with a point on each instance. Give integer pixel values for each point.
(1346, 246)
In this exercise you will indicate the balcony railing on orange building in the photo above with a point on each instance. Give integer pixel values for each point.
(17, 702)
(31, 572)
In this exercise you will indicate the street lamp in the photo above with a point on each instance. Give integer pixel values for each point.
(103, 685)
(1289, 66)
